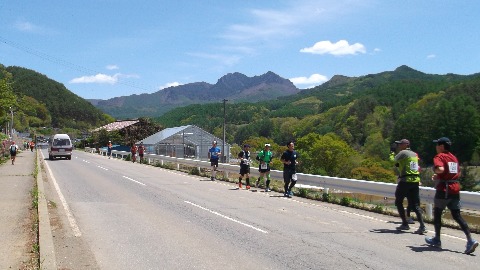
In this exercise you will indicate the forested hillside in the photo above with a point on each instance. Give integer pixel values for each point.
(65, 109)
(38, 101)
(345, 126)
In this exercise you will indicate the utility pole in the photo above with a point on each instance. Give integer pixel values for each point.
(224, 121)
(11, 126)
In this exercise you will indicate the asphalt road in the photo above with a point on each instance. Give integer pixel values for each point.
(113, 214)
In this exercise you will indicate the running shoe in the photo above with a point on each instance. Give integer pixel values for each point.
(211, 178)
(256, 183)
(421, 230)
(286, 194)
(471, 246)
(403, 227)
(290, 193)
(247, 187)
(410, 221)
(434, 242)
(267, 189)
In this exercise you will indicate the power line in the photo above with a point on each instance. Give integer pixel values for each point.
(61, 62)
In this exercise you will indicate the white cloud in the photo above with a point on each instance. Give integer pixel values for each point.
(314, 79)
(29, 27)
(99, 78)
(112, 67)
(25, 26)
(342, 47)
(431, 56)
(102, 78)
(170, 85)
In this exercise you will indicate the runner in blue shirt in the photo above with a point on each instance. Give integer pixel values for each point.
(214, 154)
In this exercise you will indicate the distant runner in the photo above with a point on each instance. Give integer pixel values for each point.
(214, 154)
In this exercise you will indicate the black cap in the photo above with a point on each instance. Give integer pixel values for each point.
(443, 140)
(246, 145)
(403, 141)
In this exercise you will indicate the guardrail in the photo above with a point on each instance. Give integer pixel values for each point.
(470, 200)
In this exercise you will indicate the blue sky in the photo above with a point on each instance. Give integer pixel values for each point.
(109, 48)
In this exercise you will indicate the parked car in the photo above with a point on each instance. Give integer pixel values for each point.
(59, 146)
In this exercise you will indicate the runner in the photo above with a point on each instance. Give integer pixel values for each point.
(13, 152)
(214, 154)
(133, 150)
(141, 151)
(109, 149)
(447, 171)
(265, 156)
(289, 160)
(408, 181)
(244, 156)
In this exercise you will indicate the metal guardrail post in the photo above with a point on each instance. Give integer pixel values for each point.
(429, 211)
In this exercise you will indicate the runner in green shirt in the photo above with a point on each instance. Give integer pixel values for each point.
(265, 156)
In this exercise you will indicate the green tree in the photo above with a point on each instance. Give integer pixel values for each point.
(328, 154)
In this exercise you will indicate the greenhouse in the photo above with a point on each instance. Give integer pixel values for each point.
(184, 142)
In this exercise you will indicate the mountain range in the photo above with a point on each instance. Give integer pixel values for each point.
(235, 87)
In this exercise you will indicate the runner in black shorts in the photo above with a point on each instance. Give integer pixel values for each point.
(214, 154)
(265, 156)
(244, 166)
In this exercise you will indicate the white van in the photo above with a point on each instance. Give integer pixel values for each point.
(60, 145)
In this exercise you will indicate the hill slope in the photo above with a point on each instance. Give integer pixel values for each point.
(66, 108)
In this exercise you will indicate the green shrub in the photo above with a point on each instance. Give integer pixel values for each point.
(345, 201)
(378, 208)
(302, 192)
(194, 171)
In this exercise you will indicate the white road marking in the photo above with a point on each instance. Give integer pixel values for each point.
(268, 194)
(71, 219)
(226, 217)
(102, 168)
(128, 178)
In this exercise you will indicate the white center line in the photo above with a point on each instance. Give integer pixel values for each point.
(226, 217)
(128, 178)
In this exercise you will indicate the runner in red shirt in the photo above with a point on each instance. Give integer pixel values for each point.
(447, 173)
(133, 150)
(141, 150)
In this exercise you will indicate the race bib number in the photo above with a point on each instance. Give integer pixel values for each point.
(414, 166)
(294, 177)
(453, 167)
(263, 166)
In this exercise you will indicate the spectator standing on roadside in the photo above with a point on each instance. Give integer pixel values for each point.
(133, 150)
(214, 154)
(244, 156)
(32, 145)
(109, 149)
(265, 156)
(408, 183)
(141, 151)
(447, 173)
(289, 160)
(13, 152)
